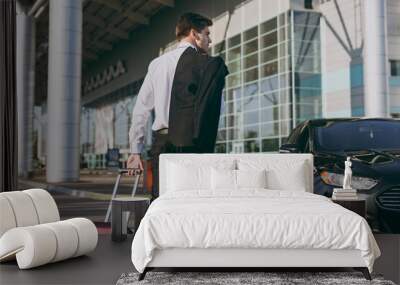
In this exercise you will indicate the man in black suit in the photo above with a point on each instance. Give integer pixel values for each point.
(183, 87)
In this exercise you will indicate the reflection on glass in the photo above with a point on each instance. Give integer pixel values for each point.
(269, 69)
(269, 54)
(234, 53)
(250, 103)
(234, 66)
(270, 145)
(234, 41)
(269, 99)
(250, 89)
(269, 84)
(270, 114)
(270, 129)
(268, 26)
(251, 75)
(251, 146)
(250, 61)
(251, 117)
(269, 40)
(250, 47)
(251, 132)
(250, 34)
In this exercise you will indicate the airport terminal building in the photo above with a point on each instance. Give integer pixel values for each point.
(289, 61)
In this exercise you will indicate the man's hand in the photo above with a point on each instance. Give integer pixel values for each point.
(134, 162)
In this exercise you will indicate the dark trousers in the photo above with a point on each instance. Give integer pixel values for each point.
(161, 145)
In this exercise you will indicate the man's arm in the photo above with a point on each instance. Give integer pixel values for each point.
(140, 114)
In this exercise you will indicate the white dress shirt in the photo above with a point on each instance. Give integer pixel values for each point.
(155, 93)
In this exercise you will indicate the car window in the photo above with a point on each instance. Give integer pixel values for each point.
(358, 135)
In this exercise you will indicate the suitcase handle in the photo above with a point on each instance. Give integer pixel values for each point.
(122, 171)
(125, 170)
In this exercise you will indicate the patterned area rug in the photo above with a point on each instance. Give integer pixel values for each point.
(230, 278)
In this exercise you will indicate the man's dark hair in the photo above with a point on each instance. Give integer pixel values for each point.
(190, 21)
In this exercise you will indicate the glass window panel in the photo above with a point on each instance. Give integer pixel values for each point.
(220, 148)
(231, 134)
(269, 99)
(234, 80)
(219, 47)
(270, 114)
(284, 82)
(270, 129)
(307, 48)
(250, 103)
(269, 54)
(251, 75)
(306, 18)
(250, 89)
(250, 47)
(268, 26)
(251, 146)
(251, 132)
(250, 60)
(283, 65)
(234, 66)
(269, 69)
(282, 49)
(234, 41)
(221, 135)
(285, 128)
(238, 106)
(308, 64)
(282, 19)
(250, 34)
(307, 80)
(234, 53)
(270, 145)
(285, 96)
(269, 40)
(222, 120)
(237, 93)
(394, 67)
(306, 33)
(251, 117)
(282, 34)
(286, 110)
(269, 84)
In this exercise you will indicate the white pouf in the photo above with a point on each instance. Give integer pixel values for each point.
(31, 232)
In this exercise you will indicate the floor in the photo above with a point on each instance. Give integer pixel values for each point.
(110, 259)
(103, 266)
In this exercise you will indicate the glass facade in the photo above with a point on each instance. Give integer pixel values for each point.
(264, 97)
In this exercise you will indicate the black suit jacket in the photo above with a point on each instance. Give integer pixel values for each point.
(196, 100)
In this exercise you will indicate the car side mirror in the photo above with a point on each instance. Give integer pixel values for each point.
(287, 148)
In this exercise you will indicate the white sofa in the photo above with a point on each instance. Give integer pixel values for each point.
(31, 231)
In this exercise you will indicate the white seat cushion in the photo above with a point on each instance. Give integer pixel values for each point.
(40, 244)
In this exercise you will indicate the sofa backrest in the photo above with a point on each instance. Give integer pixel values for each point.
(285, 170)
(26, 208)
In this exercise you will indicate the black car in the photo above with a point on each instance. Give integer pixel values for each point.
(374, 148)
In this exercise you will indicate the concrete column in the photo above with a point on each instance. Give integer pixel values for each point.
(375, 59)
(25, 68)
(64, 90)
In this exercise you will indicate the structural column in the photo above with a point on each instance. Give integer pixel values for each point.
(64, 90)
(25, 68)
(375, 59)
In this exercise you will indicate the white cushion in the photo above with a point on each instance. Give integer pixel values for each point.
(184, 175)
(45, 205)
(7, 218)
(284, 174)
(40, 244)
(251, 178)
(23, 208)
(223, 179)
(34, 244)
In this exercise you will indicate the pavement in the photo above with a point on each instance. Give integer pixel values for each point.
(89, 197)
